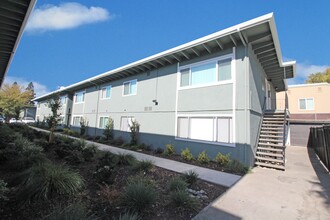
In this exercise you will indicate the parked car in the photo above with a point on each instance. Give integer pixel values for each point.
(28, 120)
(13, 120)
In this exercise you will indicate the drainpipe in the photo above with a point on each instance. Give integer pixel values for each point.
(97, 105)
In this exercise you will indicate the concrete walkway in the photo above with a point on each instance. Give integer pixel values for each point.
(300, 192)
(209, 175)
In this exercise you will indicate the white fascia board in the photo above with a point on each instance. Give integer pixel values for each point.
(309, 85)
(20, 33)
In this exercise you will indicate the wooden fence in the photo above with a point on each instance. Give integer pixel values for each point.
(319, 140)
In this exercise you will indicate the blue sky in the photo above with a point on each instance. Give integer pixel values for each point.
(66, 41)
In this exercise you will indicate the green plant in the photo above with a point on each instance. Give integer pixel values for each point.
(108, 194)
(181, 198)
(52, 120)
(72, 212)
(190, 177)
(140, 177)
(129, 216)
(108, 159)
(89, 152)
(222, 159)
(203, 158)
(47, 181)
(108, 130)
(74, 157)
(24, 162)
(169, 150)
(78, 145)
(83, 126)
(159, 150)
(134, 128)
(26, 147)
(126, 159)
(3, 190)
(186, 154)
(234, 166)
(144, 165)
(104, 175)
(177, 183)
(138, 196)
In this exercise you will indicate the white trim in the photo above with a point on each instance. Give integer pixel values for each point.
(99, 118)
(73, 116)
(206, 142)
(129, 81)
(233, 78)
(224, 82)
(101, 90)
(178, 82)
(310, 85)
(215, 59)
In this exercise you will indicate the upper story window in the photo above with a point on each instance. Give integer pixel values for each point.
(130, 87)
(306, 104)
(79, 97)
(106, 92)
(206, 73)
(63, 100)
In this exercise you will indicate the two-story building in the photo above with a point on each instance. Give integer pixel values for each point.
(209, 94)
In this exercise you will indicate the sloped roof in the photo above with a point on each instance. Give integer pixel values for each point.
(13, 17)
(260, 33)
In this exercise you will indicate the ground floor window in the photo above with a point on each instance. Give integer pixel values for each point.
(126, 123)
(306, 104)
(103, 122)
(214, 129)
(76, 120)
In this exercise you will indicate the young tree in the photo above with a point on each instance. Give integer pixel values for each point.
(319, 77)
(12, 99)
(83, 126)
(53, 119)
(108, 130)
(30, 88)
(135, 128)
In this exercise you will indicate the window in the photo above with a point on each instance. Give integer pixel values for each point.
(63, 100)
(76, 120)
(106, 92)
(130, 87)
(207, 73)
(215, 129)
(79, 97)
(103, 122)
(126, 123)
(306, 104)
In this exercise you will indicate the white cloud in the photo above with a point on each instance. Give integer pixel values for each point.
(65, 16)
(303, 70)
(39, 89)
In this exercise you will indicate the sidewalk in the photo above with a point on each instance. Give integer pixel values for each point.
(300, 192)
(209, 175)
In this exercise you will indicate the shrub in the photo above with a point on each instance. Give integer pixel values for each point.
(134, 128)
(70, 132)
(140, 178)
(234, 166)
(25, 162)
(159, 150)
(126, 159)
(222, 159)
(181, 198)
(108, 130)
(203, 158)
(83, 126)
(187, 155)
(108, 159)
(177, 183)
(190, 177)
(108, 194)
(72, 212)
(3, 190)
(129, 216)
(104, 175)
(138, 196)
(144, 166)
(78, 145)
(47, 181)
(169, 150)
(26, 147)
(144, 147)
(89, 152)
(74, 157)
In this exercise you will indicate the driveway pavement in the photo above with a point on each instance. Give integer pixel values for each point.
(302, 191)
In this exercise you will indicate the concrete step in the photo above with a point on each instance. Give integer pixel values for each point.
(272, 128)
(269, 154)
(270, 149)
(271, 136)
(272, 125)
(273, 122)
(273, 118)
(268, 159)
(260, 144)
(271, 140)
(280, 133)
(269, 165)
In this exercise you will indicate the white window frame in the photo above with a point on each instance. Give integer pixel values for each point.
(215, 117)
(306, 109)
(106, 87)
(130, 81)
(213, 60)
(121, 121)
(74, 116)
(78, 93)
(99, 122)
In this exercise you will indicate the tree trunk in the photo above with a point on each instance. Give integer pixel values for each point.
(51, 135)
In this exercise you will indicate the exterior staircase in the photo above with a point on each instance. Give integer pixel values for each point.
(271, 147)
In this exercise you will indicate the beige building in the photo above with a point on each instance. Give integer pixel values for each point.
(307, 102)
